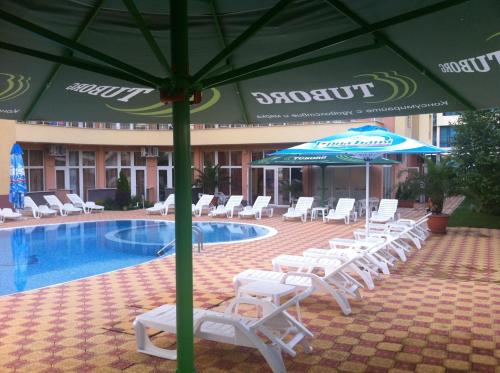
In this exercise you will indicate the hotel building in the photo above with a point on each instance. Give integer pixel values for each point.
(83, 157)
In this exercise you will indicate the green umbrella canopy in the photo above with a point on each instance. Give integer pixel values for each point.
(317, 160)
(242, 61)
(286, 60)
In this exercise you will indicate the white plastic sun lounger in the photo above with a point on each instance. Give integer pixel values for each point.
(341, 280)
(272, 334)
(162, 207)
(301, 280)
(345, 207)
(203, 203)
(64, 209)
(261, 204)
(399, 234)
(87, 207)
(418, 227)
(358, 263)
(375, 255)
(386, 211)
(300, 210)
(38, 211)
(232, 204)
(8, 213)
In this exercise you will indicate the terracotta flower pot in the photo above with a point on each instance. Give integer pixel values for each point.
(438, 223)
(408, 203)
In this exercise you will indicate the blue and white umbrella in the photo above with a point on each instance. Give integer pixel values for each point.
(366, 143)
(17, 177)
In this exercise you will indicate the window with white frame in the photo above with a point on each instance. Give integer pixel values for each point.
(33, 168)
(133, 166)
(230, 169)
(76, 171)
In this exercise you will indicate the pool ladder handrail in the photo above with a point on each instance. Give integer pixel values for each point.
(199, 241)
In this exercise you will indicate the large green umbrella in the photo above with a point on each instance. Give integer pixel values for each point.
(216, 61)
(318, 160)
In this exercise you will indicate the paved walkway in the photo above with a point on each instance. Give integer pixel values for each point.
(439, 311)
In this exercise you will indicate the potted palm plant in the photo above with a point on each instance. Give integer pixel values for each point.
(211, 178)
(438, 183)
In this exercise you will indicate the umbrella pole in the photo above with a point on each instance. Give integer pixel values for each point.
(182, 172)
(367, 198)
(323, 186)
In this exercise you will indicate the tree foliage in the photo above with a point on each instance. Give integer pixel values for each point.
(477, 154)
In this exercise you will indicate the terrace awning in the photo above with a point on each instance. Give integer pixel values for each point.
(218, 61)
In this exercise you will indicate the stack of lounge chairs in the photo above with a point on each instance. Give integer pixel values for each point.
(341, 271)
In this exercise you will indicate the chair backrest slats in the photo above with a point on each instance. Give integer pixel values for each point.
(388, 206)
(170, 199)
(53, 200)
(261, 202)
(304, 203)
(345, 205)
(234, 201)
(28, 202)
(204, 200)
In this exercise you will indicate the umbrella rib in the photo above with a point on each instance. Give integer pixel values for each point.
(83, 27)
(229, 63)
(236, 43)
(139, 20)
(337, 39)
(55, 37)
(380, 36)
(211, 82)
(77, 62)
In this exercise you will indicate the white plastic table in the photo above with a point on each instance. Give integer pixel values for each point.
(316, 210)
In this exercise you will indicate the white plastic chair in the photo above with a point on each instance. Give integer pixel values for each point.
(162, 207)
(87, 207)
(203, 203)
(300, 210)
(271, 334)
(232, 204)
(38, 211)
(345, 207)
(261, 203)
(8, 213)
(386, 211)
(64, 209)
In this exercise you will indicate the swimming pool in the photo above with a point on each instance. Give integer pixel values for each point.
(44, 255)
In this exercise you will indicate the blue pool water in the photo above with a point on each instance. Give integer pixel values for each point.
(35, 257)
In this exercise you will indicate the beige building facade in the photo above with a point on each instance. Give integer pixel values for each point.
(83, 156)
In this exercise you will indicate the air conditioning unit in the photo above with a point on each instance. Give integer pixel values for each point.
(57, 150)
(149, 151)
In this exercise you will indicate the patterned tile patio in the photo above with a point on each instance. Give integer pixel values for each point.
(438, 312)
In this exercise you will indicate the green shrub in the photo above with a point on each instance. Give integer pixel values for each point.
(122, 191)
(476, 151)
